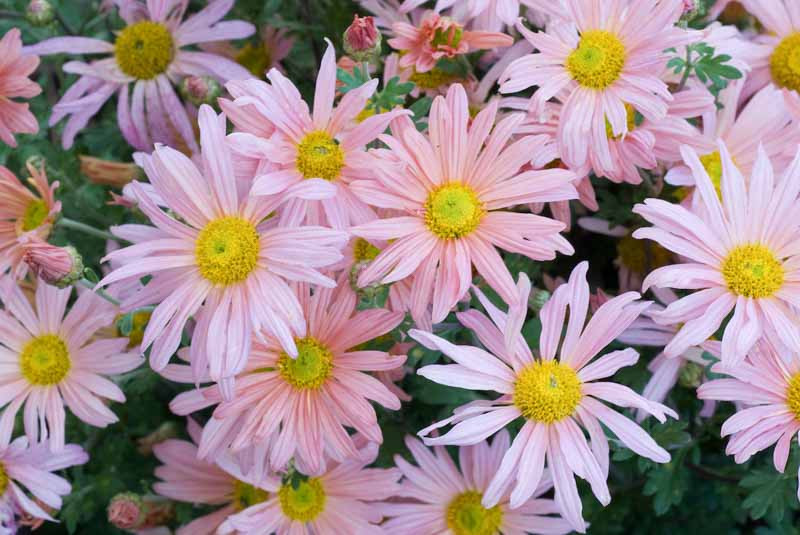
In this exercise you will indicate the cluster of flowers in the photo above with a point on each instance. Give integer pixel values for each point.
(262, 242)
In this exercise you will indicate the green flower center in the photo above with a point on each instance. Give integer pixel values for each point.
(547, 391)
(598, 61)
(453, 211)
(303, 503)
(35, 214)
(364, 251)
(246, 495)
(144, 49)
(45, 360)
(227, 250)
(312, 367)
(466, 515)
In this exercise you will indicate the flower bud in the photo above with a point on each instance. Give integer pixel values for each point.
(165, 431)
(201, 90)
(691, 375)
(132, 512)
(39, 12)
(108, 172)
(538, 298)
(362, 40)
(59, 266)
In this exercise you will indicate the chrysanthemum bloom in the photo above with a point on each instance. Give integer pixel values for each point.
(444, 499)
(223, 262)
(316, 154)
(299, 407)
(506, 11)
(611, 55)
(149, 54)
(24, 213)
(186, 478)
(558, 398)
(451, 188)
(52, 359)
(437, 37)
(26, 468)
(15, 117)
(272, 47)
(741, 255)
(768, 385)
(339, 501)
(764, 122)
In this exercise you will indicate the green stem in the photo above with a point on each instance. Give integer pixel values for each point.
(86, 229)
(687, 71)
(102, 293)
(63, 23)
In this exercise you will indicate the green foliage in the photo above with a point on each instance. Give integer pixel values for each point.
(706, 67)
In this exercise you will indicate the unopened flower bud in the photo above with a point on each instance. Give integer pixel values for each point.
(538, 298)
(362, 40)
(39, 12)
(165, 431)
(59, 266)
(691, 375)
(108, 172)
(201, 89)
(691, 10)
(132, 512)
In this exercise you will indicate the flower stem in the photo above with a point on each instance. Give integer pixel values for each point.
(102, 293)
(86, 229)
(687, 71)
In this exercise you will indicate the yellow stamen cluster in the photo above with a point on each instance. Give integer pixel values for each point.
(547, 391)
(44, 360)
(246, 495)
(598, 61)
(255, 59)
(753, 271)
(433, 78)
(642, 256)
(364, 251)
(312, 367)
(793, 395)
(35, 214)
(319, 156)
(4, 480)
(144, 49)
(712, 163)
(140, 320)
(303, 503)
(785, 62)
(630, 113)
(453, 211)
(227, 250)
(466, 515)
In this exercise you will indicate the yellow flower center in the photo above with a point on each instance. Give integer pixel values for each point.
(246, 495)
(641, 256)
(466, 515)
(319, 156)
(45, 360)
(753, 271)
(785, 62)
(547, 391)
(140, 320)
(255, 59)
(433, 78)
(3, 480)
(712, 163)
(598, 61)
(303, 503)
(364, 251)
(793, 395)
(311, 368)
(35, 214)
(144, 50)
(453, 211)
(631, 119)
(227, 250)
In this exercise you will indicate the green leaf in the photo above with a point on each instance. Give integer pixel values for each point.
(667, 484)
(769, 492)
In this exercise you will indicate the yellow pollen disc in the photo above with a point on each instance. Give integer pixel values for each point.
(633, 254)
(630, 118)
(35, 214)
(144, 50)
(598, 61)
(453, 211)
(785, 62)
(793, 395)
(255, 59)
(319, 156)
(466, 515)
(753, 271)
(311, 368)
(433, 78)
(3, 480)
(227, 250)
(712, 163)
(246, 495)
(140, 320)
(547, 391)
(303, 503)
(45, 360)
(364, 251)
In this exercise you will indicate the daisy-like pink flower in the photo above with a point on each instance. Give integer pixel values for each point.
(149, 54)
(559, 399)
(299, 407)
(609, 54)
(451, 187)
(26, 470)
(437, 37)
(316, 154)
(24, 215)
(224, 262)
(51, 359)
(339, 501)
(437, 497)
(186, 478)
(505, 10)
(15, 117)
(741, 255)
(768, 385)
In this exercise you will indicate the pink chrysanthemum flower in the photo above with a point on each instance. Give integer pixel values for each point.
(451, 188)
(557, 398)
(148, 54)
(24, 214)
(741, 255)
(768, 385)
(437, 37)
(317, 155)
(611, 53)
(300, 407)
(272, 47)
(27, 468)
(340, 501)
(185, 477)
(444, 499)
(224, 262)
(506, 11)
(52, 359)
(15, 117)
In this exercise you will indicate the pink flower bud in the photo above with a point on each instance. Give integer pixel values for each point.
(362, 40)
(201, 89)
(59, 266)
(126, 511)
